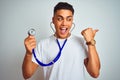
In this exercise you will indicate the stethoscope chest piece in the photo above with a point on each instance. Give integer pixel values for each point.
(31, 32)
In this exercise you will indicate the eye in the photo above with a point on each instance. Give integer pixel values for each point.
(69, 19)
(59, 19)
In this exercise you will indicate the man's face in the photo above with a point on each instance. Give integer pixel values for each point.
(63, 21)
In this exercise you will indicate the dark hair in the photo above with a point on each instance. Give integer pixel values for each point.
(63, 5)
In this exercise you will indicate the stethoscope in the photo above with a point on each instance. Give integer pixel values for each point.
(32, 32)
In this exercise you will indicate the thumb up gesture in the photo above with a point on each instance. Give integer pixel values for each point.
(89, 34)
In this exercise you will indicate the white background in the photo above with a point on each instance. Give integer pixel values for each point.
(18, 16)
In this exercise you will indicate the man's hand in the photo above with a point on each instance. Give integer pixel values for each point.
(89, 34)
(30, 43)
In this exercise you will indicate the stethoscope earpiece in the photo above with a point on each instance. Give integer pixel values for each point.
(73, 26)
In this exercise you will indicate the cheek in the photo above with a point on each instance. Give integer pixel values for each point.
(57, 24)
(70, 25)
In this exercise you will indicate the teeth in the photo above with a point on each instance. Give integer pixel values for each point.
(63, 28)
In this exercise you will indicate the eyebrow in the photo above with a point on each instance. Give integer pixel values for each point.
(62, 16)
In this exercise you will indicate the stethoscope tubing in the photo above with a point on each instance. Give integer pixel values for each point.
(55, 59)
(32, 32)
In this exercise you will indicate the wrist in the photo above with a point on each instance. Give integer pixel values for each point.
(28, 53)
(92, 42)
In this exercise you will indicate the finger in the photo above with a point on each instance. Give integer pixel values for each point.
(31, 36)
(33, 45)
(30, 45)
(96, 30)
(29, 40)
(83, 31)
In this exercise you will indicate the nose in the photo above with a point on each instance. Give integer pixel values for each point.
(64, 22)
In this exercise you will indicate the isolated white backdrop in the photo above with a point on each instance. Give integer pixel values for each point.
(17, 16)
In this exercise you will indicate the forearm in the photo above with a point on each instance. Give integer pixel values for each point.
(28, 66)
(93, 63)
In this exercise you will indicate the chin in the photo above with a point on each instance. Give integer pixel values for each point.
(64, 36)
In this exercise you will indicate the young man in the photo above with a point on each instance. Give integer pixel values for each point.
(74, 55)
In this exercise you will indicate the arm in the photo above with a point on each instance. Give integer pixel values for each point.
(29, 67)
(92, 63)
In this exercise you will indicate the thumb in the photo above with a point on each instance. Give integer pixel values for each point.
(96, 30)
